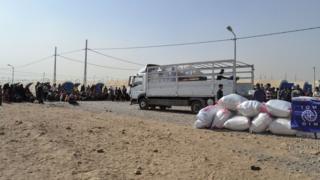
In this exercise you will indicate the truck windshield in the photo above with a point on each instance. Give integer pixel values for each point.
(137, 80)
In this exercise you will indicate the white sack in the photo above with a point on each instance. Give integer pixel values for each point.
(237, 123)
(249, 108)
(260, 123)
(206, 116)
(282, 127)
(231, 101)
(200, 124)
(221, 117)
(279, 108)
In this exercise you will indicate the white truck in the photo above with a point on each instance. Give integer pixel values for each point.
(189, 84)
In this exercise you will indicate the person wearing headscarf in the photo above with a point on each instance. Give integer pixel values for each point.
(316, 92)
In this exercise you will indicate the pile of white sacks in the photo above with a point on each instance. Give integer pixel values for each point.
(235, 112)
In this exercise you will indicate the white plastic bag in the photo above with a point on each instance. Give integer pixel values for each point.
(221, 117)
(282, 127)
(206, 116)
(249, 108)
(260, 123)
(231, 101)
(237, 123)
(279, 108)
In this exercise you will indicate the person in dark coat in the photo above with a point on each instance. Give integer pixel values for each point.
(6, 92)
(39, 93)
(259, 94)
(220, 92)
(0, 95)
(111, 93)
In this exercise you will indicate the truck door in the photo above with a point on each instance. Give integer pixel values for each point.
(136, 86)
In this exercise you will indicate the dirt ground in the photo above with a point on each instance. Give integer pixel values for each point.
(64, 142)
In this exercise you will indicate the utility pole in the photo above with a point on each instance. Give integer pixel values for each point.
(55, 66)
(229, 28)
(314, 76)
(43, 76)
(12, 78)
(85, 64)
(285, 76)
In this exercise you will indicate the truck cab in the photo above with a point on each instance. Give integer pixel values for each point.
(136, 84)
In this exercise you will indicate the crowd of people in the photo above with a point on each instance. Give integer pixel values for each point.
(46, 92)
(264, 93)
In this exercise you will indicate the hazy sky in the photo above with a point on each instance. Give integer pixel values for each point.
(31, 28)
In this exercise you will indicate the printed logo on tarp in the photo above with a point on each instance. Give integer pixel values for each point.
(309, 115)
(305, 116)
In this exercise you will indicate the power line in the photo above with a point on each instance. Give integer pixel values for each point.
(207, 42)
(164, 45)
(97, 65)
(70, 52)
(8, 71)
(278, 33)
(34, 62)
(115, 58)
(24, 72)
(47, 57)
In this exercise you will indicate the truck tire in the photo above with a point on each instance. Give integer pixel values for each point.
(143, 103)
(196, 106)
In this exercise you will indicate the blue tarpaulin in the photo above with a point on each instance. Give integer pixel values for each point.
(307, 87)
(285, 85)
(99, 87)
(68, 87)
(305, 114)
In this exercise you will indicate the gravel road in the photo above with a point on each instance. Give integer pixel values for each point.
(177, 115)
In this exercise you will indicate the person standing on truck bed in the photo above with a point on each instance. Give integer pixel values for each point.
(220, 75)
(220, 92)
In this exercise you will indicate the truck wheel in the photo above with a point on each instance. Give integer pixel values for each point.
(143, 104)
(196, 106)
